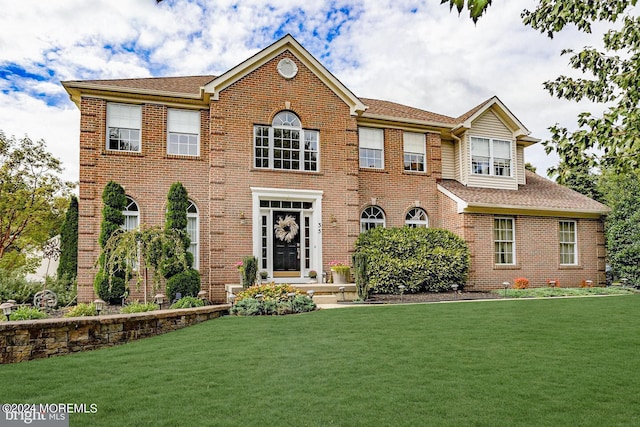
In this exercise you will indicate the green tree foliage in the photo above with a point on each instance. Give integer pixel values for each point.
(611, 76)
(250, 271)
(176, 223)
(476, 7)
(32, 198)
(68, 266)
(421, 259)
(623, 224)
(110, 283)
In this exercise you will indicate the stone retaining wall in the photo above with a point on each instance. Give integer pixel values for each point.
(37, 339)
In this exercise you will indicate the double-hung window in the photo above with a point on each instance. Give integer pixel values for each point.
(568, 243)
(414, 152)
(286, 145)
(371, 143)
(490, 157)
(123, 127)
(183, 132)
(504, 241)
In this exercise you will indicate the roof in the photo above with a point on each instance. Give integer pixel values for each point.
(539, 194)
(188, 85)
(377, 108)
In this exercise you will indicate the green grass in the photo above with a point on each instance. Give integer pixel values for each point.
(551, 362)
(564, 292)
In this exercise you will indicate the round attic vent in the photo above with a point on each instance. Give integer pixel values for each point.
(287, 68)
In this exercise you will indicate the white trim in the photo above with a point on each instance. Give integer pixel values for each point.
(462, 205)
(492, 158)
(575, 243)
(513, 241)
(296, 195)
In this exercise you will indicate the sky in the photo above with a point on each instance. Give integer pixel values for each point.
(414, 52)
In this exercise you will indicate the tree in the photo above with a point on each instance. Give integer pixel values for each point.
(181, 278)
(110, 283)
(68, 266)
(476, 7)
(32, 198)
(611, 141)
(529, 166)
(623, 224)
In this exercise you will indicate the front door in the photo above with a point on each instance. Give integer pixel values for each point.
(286, 244)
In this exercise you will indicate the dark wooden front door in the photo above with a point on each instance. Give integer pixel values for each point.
(286, 244)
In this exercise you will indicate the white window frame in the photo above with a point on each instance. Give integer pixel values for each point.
(568, 244)
(133, 214)
(415, 149)
(493, 161)
(183, 126)
(194, 246)
(267, 155)
(370, 218)
(128, 119)
(371, 146)
(417, 217)
(497, 249)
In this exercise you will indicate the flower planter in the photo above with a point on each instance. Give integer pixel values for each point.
(341, 276)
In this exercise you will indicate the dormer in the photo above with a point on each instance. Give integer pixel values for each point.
(488, 148)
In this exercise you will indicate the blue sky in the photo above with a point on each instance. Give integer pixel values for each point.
(416, 53)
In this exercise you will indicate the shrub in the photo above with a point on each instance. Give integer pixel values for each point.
(138, 307)
(553, 283)
(187, 283)
(585, 284)
(521, 283)
(275, 299)
(187, 302)
(15, 286)
(111, 293)
(421, 259)
(82, 310)
(27, 313)
(360, 270)
(66, 289)
(68, 264)
(250, 271)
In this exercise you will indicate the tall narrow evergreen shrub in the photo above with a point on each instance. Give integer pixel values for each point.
(68, 266)
(114, 200)
(250, 273)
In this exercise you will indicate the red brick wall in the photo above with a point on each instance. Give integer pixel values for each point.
(145, 176)
(537, 252)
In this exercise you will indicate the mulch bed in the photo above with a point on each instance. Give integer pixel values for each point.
(430, 297)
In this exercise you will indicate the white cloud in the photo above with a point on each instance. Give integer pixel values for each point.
(414, 52)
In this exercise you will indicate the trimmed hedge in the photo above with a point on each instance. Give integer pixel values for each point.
(187, 283)
(421, 259)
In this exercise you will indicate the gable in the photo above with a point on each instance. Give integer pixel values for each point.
(491, 126)
(286, 44)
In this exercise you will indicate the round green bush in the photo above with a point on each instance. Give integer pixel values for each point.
(421, 259)
(187, 283)
(101, 286)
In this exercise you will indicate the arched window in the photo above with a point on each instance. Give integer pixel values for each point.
(286, 145)
(371, 217)
(416, 217)
(131, 215)
(193, 230)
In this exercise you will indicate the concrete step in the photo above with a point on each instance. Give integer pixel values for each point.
(325, 299)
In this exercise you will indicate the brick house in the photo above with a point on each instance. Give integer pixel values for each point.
(278, 140)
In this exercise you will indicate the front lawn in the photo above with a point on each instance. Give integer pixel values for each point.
(551, 362)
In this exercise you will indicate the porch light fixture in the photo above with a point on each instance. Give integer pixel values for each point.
(624, 281)
(402, 288)
(159, 299)
(506, 286)
(6, 309)
(99, 303)
(341, 289)
(310, 293)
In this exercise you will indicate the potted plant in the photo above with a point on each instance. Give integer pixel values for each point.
(313, 275)
(264, 275)
(340, 272)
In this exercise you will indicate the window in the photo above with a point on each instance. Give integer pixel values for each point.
(504, 241)
(285, 145)
(414, 152)
(193, 232)
(490, 157)
(131, 215)
(183, 132)
(371, 217)
(123, 127)
(568, 243)
(416, 217)
(371, 148)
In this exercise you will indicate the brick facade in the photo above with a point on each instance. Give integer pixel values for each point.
(229, 190)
